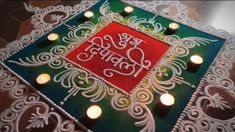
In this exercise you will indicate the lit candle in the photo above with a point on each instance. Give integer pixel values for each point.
(94, 112)
(53, 37)
(164, 105)
(172, 28)
(88, 14)
(167, 99)
(128, 9)
(43, 78)
(196, 59)
(194, 63)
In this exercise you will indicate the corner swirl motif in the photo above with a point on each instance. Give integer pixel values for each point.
(24, 101)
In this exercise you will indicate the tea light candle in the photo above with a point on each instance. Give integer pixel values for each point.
(43, 78)
(53, 37)
(167, 99)
(172, 28)
(196, 59)
(88, 14)
(128, 9)
(194, 63)
(94, 112)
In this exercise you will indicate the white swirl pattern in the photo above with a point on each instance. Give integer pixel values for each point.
(98, 93)
(193, 117)
(11, 117)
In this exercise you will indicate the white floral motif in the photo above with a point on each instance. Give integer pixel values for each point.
(218, 102)
(67, 11)
(216, 79)
(51, 58)
(141, 112)
(86, 29)
(11, 84)
(10, 118)
(96, 91)
(147, 26)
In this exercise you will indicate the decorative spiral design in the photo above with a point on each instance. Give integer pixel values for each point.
(46, 26)
(227, 55)
(194, 113)
(51, 58)
(7, 127)
(143, 96)
(227, 83)
(8, 115)
(27, 38)
(15, 45)
(112, 91)
(43, 57)
(68, 65)
(17, 105)
(189, 126)
(18, 92)
(204, 124)
(188, 43)
(9, 83)
(222, 33)
(32, 98)
(219, 71)
(42, 11)
(59, 50)
(57, 64)
(120, 102)
(172, 39)
(224, 63)
(37, 32)
(141, 4)
(103, 21)
(218, 127)
(116, 16)
(87, 3)
(180, 51)
(3, 74)
(137, 111)
(67, 126)
(79, 7)
(69, 12)
(211, 79)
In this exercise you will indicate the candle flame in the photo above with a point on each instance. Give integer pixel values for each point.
(43, 78)
(196, 59)
(167, 99)
(128, 9)
(94, 112)
(174, 25)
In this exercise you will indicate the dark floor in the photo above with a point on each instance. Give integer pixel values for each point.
(16, 21)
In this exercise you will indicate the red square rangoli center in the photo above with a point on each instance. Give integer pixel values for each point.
(119, 55)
